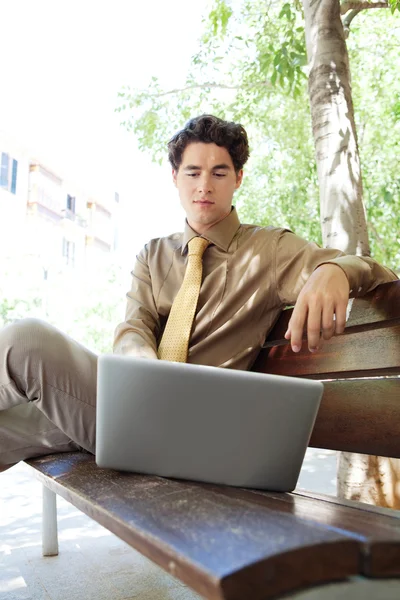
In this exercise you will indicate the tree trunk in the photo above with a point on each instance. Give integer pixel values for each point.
(338, 163)
(369, 479)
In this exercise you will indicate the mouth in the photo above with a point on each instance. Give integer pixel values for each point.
(203, 201)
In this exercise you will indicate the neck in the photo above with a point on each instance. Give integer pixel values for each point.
(200, 228)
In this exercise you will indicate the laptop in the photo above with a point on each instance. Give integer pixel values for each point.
(203, 423)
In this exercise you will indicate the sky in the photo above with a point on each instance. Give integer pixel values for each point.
(62, 65)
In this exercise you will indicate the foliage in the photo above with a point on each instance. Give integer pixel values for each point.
(233, 73)
(89, 315)
(394, 4)
(101, 308)
(19, 297)
(251, 68)
(17, 308)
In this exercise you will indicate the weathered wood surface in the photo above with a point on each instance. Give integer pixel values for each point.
(361, 415)
(374, 567)
(363, 354)
(228, 543)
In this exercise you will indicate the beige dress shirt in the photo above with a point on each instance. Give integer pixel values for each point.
(250, 274)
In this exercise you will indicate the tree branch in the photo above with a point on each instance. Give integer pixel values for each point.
(202, 86)
(347, 21)
(362, 5)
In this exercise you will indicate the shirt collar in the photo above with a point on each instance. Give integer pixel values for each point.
(220, 234)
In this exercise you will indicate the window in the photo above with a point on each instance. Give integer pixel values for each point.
(8, 173)
(71, 203)
(5, 160)
(14, 176)
(69, 252)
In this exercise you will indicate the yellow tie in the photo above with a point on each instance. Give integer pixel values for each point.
(175, 340)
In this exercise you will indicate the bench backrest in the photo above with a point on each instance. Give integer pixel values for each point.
(360, 410)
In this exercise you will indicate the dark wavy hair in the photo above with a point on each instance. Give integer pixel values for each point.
(209, 129)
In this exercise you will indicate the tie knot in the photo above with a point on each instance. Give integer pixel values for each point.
(197, 246)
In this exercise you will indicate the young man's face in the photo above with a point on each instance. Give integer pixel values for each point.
(206, 181)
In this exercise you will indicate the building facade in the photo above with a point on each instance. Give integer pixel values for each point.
(51, 221)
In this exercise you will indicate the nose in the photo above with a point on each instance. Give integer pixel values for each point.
(204, 184)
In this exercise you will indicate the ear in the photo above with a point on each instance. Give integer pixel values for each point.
(174, 176)
(239, 179)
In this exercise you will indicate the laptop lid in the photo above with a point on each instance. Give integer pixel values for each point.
(203, 423)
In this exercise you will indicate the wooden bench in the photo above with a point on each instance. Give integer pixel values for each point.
(235, 544)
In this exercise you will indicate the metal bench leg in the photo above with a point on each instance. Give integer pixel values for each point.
(49, 523)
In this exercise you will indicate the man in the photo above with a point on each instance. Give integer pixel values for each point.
(249, 274)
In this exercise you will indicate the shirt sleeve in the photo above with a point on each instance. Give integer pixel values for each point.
(142, 324)
(296, 259)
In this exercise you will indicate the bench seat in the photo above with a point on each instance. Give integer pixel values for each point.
(230, 543)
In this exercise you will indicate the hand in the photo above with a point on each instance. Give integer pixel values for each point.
(144, 352)
(324, 296)
(134, 345)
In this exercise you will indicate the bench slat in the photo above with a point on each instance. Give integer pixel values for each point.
(382, 304)
(342, 356)
(226, 543)
(382, 562)
(381, 557)
(379, 305)
(224, 548)
(378, 528)
(360, 415)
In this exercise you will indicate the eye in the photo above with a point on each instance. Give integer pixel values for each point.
(192, 174)
(220, 175)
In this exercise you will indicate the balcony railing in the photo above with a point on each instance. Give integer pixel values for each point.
(35, 209)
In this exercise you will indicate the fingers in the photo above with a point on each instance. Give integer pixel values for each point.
(341, 310)
(323, 321)
(314, 327)
(311, 312)
(296, 326)
(328, 322)
(322, 303)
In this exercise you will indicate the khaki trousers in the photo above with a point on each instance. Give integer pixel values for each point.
(47, 392)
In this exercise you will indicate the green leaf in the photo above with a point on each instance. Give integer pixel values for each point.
(219, 18)
(285, 12)
(394, 4)
(277, 59)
